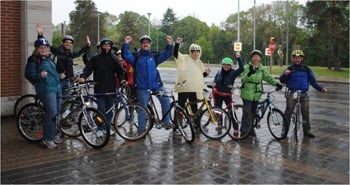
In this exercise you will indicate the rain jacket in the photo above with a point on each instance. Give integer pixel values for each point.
(145, 65)
(34, 67)
(192, 71)
(252, 85)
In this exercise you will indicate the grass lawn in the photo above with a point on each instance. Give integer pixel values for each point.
(320, 72)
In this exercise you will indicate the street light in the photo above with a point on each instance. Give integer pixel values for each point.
(149, 23)
(98, 27)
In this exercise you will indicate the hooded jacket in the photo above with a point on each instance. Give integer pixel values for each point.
(192, 71)
(225, 78)
(145, 65)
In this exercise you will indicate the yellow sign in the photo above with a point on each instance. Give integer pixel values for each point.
(237, 46)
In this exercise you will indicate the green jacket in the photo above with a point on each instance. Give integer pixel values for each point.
(252, 85)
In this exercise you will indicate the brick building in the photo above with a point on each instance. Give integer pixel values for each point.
(18, 33)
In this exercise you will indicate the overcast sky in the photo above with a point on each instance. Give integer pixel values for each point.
(208, 11)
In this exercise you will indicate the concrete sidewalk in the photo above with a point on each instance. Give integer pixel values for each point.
(163, 158)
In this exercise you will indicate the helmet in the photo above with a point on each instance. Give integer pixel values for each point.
(106, 41)
(41, 42)
(118, 52)
(98, 45)
(68, 37)
(255, 52)
(298, 53)
(227, 60)
(195, 47)
(145, 37)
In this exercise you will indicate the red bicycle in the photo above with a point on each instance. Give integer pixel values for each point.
(241, 117)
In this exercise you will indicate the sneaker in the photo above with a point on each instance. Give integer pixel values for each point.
(99, 133)
(111, 132)
(177, 132)
(58, 140)
(167, 126)
(309, 134)
(49, 144)
(235, 133)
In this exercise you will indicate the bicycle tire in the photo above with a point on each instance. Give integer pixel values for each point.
(70, 124)
(30, 122)
(276, 124)
(127, 125)
(23, 100)
(297, 124)
(92, 122)
(237, 113)
(183, 123)
(218, 129)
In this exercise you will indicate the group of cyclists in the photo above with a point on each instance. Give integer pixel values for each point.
(139, 69)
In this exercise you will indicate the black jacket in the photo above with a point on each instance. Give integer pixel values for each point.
(106, 69)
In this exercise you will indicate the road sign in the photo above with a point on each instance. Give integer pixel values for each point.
(237, 46)
(268, 52)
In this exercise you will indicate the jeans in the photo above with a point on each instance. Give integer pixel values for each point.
(105, 102)
(52, 105)
(144, 97)
(65, 84)
(304, 100)
(252, 106)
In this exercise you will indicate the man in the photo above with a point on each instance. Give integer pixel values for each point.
(106, 69)
(147, 75)
(298, 76)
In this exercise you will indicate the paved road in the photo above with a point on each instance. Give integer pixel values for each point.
(163, 158)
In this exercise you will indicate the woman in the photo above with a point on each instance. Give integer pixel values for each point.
(41, 72)
(252, 76)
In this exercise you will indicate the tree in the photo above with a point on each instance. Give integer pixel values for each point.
(83, 21)
(169, 19)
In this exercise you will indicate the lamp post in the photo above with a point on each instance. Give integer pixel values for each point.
(98, 27)
(238, 24)
(149, 23)
(254, 27)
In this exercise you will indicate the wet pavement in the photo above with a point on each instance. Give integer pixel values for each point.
(164, 158)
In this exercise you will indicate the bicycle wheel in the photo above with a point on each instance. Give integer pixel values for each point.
(183, 122)
(69, 124)
(30, 122)
(94, 128)
(23, 100)
(275, 123)
(126, 122)
(215, 127)
(241, 128)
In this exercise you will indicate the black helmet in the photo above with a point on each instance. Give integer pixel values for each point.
(68, 37)
(106, 41)
(41, 42)
(145, 37)
(98, 45)
(255, 52)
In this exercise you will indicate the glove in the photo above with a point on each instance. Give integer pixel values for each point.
(251, 70)
(278, 86)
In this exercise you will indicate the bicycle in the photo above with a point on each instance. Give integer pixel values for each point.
(236, 113)
(23, 100)
(275, 117)
(30, 122)
(296, 117)
(178, 115)
(212, 122)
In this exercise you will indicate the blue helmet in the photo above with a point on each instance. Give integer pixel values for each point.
(41, 42)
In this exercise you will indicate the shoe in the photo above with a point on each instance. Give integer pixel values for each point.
(49, 144)
(99, 133)
(235, 133)
(111, 132)
(167, 126)
(177, 132)
(309, 134)
(58, 140)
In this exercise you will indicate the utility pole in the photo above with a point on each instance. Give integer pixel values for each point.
(238, 24)
(149, 24)
(98, 27)
(254, 27)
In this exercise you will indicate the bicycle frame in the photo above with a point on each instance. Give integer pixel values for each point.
(204, 104)
(296, 115)
(262, 108)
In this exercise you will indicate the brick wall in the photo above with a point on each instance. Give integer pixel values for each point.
(10, 48)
